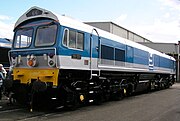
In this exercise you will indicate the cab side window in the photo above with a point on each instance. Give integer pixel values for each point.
(65, 37)
(80, 40)
(73, 39)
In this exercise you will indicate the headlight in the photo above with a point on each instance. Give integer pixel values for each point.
(31, 61)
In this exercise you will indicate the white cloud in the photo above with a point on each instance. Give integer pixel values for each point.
(160, 31)
(173, 4)
(3, 17)
(167, 15)
(6, 27)
(6, 30)
(165, 27)
(121, 18)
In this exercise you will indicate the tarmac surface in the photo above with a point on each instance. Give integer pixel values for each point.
(163, 105)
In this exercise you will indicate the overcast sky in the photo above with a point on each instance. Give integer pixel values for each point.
(156, 20)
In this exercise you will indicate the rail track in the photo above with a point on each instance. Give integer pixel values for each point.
(16, 113)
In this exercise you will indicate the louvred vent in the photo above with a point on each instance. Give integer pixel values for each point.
(34, 12)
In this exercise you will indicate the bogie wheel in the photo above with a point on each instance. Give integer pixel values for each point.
(118, 95)
(129, 90)
(99, 99)
(74, 103)
(21, 95)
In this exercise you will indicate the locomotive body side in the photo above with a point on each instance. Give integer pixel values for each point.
(71, 62)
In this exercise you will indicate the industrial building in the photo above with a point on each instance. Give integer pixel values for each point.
(168, 48)
(118, 30)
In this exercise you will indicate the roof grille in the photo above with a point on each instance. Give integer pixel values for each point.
(34, 12)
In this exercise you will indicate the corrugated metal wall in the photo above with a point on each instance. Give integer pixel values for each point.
(118, 30)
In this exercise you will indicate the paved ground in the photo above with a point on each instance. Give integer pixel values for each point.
(162, 105)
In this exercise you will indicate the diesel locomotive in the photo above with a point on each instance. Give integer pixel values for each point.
(61, 60)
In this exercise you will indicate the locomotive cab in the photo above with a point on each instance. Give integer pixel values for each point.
(34, 53)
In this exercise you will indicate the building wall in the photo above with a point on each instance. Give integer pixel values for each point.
(118, 30)
(101, 25)
(169, 48)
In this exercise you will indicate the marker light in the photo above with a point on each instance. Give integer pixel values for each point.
(14, 61)
(51, 60)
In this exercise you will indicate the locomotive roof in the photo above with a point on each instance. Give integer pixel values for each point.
(36, 12)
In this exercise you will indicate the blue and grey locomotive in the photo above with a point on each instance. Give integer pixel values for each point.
(70, 62)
